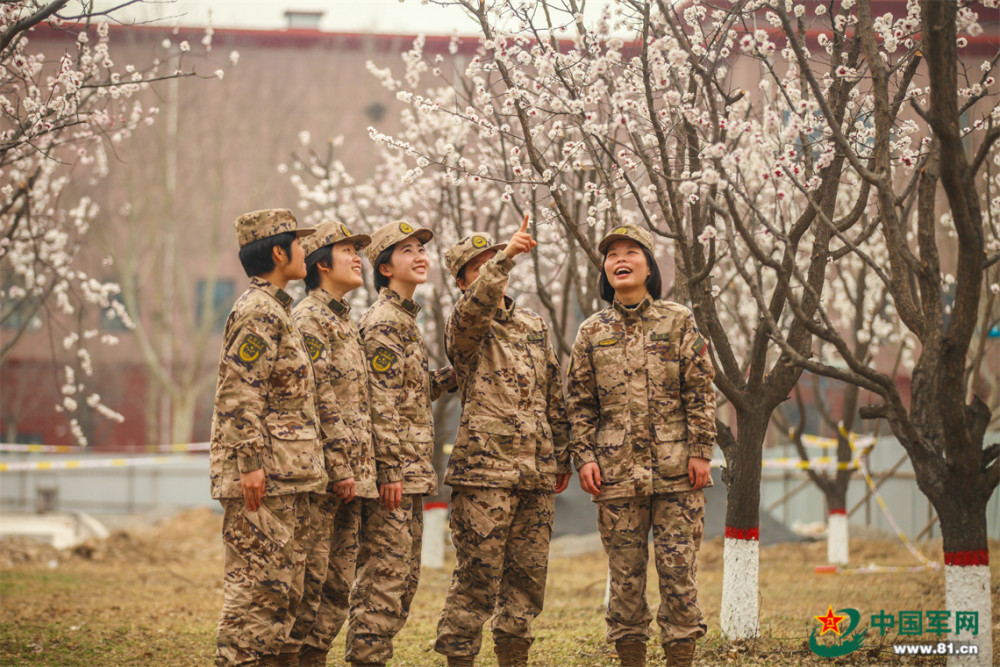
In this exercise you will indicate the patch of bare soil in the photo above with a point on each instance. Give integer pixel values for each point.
(189, 535)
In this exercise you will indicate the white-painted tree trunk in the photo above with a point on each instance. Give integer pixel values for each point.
(435, 527)
(837, 550)
(967, 588)
(740, 595)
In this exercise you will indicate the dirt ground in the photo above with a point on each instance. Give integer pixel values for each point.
(150, 595)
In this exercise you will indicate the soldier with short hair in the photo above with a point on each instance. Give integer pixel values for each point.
(266, 460)
(510, 456)
(642, 410)
(333, 269)
(402, 388)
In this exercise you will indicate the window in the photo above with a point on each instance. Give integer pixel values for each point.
(213, 300)
(21, 313)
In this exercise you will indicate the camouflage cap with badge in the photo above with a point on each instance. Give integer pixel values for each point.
(630, 232)
(469, 247)
(391, 234)
(328, 233)
(257, 225)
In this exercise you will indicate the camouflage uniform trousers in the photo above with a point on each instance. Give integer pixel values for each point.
(388, 570)
(501, 537)
(266, 562)
(344, 536)
(678, 522)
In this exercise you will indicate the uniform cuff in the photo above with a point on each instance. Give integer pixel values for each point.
(583, 457)
(504, 261)
(701, 451)
(249, 460)
(340, 473)
(389, 475)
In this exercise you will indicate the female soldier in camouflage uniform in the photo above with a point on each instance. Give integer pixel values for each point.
(266, 460)
(401, 388)
(642, 416)
(510, 456)
(338, 356)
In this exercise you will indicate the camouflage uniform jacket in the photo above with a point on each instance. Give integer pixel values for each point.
(401, 388)
(640, 397)
(513, 431)
(264, 411)
(338, 356)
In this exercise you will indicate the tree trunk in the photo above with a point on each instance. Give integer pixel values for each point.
(182, 417)
(967, 566)
(837, 531)
(741, 556)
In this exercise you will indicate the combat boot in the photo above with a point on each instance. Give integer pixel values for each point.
(631, 651)
(512, 651)
(679, 653)
(286, 659)
(311, 656)
(461, 660)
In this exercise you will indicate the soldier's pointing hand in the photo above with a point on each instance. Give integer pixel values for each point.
(521, 241)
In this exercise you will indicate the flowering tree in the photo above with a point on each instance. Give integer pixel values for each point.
(867, 319)
(941, 276)
(770, 197)
(653, 129)
(61, 116)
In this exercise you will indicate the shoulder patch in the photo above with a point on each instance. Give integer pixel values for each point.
(607, 342)
(656, 335)
(700, 346)
(536, 337)
(250, 348)
(315, 346)
(283, 297)
(383, 360)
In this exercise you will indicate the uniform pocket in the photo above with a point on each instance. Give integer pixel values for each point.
(609, 366)
(612, 455)
(295, 448)
(671, 449)
(259, 536)
(492, 443)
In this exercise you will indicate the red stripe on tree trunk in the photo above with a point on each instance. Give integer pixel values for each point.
(967, 558)
(743, 533)
(435, 505)
(840, 511)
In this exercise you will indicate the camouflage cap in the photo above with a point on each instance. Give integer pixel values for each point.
(471, 246)
(392, 233)
(257, 225)
(328, 233)
(631, 232)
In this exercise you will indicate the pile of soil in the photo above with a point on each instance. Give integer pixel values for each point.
(188, 535)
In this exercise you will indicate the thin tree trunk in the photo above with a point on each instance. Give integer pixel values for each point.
(741, 556)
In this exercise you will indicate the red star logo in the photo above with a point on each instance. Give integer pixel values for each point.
(831, 622)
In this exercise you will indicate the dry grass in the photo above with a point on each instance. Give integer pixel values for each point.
(152, 596)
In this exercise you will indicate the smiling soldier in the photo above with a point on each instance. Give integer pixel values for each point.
(402, 389)
(333, 269)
